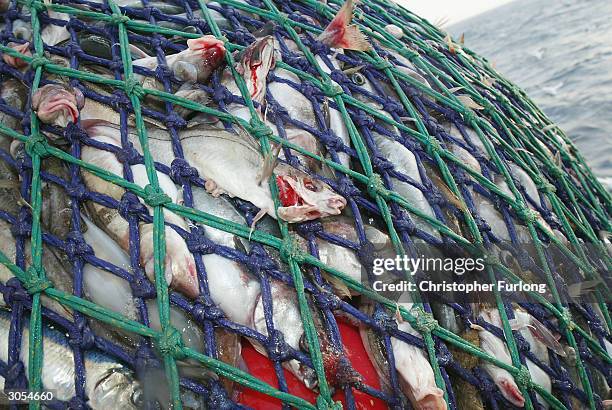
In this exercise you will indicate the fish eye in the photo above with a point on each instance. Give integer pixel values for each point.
(136, 398)
(358, 79)
(309, 185)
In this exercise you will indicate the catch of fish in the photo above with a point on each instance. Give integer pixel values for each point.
(228, 292)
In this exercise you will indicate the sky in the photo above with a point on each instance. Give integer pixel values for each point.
(452, 10)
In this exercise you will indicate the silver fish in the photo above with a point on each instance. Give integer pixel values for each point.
(54, 269)
(232, 164)
(416, 375)
(238, 293)
(108, 384)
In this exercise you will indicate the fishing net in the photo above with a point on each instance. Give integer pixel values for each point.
(507, 128)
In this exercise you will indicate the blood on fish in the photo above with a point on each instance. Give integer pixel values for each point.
(287, 194)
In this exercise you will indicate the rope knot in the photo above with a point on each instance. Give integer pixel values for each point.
(259, 129)
(469, 117)
(133, 88)
(491, 260)
(566, 319)
(526, 214)
(37, 145)
(34, 284)
(545, 186)
(141, 286)
(181, 172)
(117, 18)
(290, 250)
(376, 186)
(38, 61)
(425, 321)
(323, 404)
(382, 65)
(155, 197)
(170, 343)
(555, 172)
(131, 205)
(331, 90)
(523, 377)
(433, 147)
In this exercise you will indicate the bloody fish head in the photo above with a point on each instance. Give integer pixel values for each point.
(17, 62)
(210, 54)
(256, 61)
(510, 391)
(57, 104)
(304, 198)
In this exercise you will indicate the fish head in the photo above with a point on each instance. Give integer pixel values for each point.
(209, 54)
(434, 400)
(509, 389)
(58, 104)
(256, 61)
(16, 61)
(116, 389)
(304, 198)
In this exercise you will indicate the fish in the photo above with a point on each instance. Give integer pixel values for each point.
(232, 164)
(540, 340)
(57, 104)
(108, 383)
(10, 200)
(116, 295)
(496, 347)
(340, 33)
(15, 94)
(196, 63)
(180, 271)
(245, 305)
(416, 375)
(53, 34)
(288, 320)
(16, 62)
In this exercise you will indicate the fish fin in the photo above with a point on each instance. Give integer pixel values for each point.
(516, 325)
(476, 327)
(541, 332)
(353, 70)
(339, 34)
(340, 288)
(137, 52)
(469, 102)
(449, 42)
(269, 163)
(258, 347)
(582, 288)
(260, 214)
(455, 89)
(398, 315)
(462, 39)
(195, 371)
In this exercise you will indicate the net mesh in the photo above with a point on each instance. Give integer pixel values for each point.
(497, 124)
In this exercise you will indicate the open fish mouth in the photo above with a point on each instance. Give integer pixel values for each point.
(304, 199)
(58, 104)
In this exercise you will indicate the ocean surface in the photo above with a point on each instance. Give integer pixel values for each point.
(560, 52)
